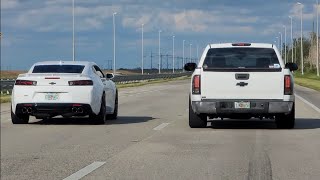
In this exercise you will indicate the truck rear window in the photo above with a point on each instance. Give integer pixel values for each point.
(241, 58)
(58, 69)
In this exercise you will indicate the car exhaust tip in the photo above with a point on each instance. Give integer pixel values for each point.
(24, 110)
(74, 110)
(80, 110)
(29, 110)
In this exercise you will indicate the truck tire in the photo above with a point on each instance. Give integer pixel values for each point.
(19, 119)
(284, 121)
(196, 121)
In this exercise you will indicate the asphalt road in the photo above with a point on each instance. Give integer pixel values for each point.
(152, 140)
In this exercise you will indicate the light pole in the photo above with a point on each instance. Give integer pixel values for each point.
(198, 52)
(142, 48)
(114, 45)
(291, 40)
(301, 39)
(183, 55)
(173, 54)
(159, 53)
(190, 53)
(317, 38)
(73, 48)
(285, 44)
(280, 43)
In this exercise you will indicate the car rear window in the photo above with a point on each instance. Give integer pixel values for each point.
(58, 69)
(235, 58)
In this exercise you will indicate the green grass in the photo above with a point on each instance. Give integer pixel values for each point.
(309, 79)
(5, 98)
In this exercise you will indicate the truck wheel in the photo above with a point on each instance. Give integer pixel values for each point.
(101, 117)
(114, 115)
(196, 121)
(286, 121)
(21, 119)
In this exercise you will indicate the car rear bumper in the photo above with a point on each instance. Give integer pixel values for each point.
(256, 107)
(53, 109)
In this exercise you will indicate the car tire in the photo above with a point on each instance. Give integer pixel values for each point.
(114, 115)
(195, 120)
(19, 119)
(101, 117)
(286, 121)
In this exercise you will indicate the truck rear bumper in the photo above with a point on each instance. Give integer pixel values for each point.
(228, 107)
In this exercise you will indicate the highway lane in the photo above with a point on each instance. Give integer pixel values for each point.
(152, 140)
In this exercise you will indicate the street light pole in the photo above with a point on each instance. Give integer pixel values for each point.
(159, 53)
(142, 48)
(280, 43)
(173, 54)
(190, 53)
(198, 52)
(317, 37)
(183, 55)
(285, 44)
(73, 44)
(301, 40)
(114, 44)
(291, 40)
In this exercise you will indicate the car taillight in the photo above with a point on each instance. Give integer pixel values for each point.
(196, 84)
(25, 83)
(288, 89)
(81, 83)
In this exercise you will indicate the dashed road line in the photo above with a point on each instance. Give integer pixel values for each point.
(85, 171)
(161, 126)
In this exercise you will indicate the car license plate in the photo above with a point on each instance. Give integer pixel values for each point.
(52, 96)
(242, 105)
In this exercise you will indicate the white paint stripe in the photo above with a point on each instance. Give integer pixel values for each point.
(309, 103)
(85, 171)
(161, 126)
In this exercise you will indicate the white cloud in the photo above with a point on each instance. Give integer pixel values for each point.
(9, 4)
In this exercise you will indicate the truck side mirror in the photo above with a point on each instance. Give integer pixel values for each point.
(190, 66)
(291, 66)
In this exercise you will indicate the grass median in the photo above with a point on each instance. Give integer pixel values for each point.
(7, 98)
(309, 80)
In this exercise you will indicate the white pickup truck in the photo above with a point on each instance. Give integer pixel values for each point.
(241, 81)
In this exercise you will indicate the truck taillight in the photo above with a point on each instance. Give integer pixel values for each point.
(25, 83)
(81, 83)
(196, 84)
(288, 88)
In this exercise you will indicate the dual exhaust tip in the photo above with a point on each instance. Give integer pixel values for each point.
(27, 110)
(77, 110)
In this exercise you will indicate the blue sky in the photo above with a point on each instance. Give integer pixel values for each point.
(37, 30)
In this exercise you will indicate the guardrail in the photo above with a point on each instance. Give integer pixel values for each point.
(7, 84)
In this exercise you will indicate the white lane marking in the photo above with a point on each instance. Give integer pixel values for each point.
(161, 126)
(85, 171)
(309, 103)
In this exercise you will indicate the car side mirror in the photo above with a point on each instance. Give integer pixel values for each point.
(109, 76)
(190, 66)
(291, 66)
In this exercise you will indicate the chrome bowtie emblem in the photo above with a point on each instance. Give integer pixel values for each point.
(52, 83)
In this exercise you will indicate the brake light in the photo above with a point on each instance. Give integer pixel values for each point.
(241, 44)
(288, 89)
(25, 83)
(81, 83)
(196, 84)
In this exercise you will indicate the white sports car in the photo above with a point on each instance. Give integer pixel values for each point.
(67, 88)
